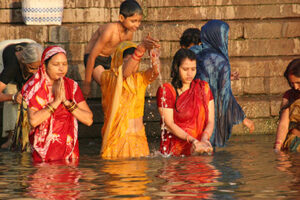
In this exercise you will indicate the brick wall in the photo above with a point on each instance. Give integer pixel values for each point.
(264, 37)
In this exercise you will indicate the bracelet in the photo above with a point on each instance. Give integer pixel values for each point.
(135, 53)
(136, 59)
(50, 109)
(72, 106)
(278, 142)
(187, 138)
(13, 98)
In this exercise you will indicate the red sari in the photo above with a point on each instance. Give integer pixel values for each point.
(57, 137)
(190, 114)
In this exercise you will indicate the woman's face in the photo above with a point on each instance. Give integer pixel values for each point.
(187, 71)
(295, 81)
(31, 68)
(57, 66)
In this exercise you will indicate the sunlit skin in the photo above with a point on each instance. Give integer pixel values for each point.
(31, 68)
(131, 23)
(295, 81)
(187, 73)
(57, 67)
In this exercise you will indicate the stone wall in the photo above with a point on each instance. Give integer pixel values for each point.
(264, 38)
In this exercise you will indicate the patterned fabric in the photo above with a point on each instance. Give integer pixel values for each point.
(190, 113)
(292, 142)
(48, 12)
(122, 101)
(57, 137)
(213, 67)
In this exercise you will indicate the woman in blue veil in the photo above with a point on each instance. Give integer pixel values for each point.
(213, 67)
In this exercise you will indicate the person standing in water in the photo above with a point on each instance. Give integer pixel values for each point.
(288, 131)
(213, 66)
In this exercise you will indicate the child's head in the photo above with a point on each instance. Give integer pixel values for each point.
(190, 37)
(292, 74)
(130, 15)
(128, 8)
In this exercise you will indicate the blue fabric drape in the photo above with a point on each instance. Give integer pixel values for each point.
(213, 67)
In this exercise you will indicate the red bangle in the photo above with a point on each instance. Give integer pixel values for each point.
(134, 58)
(278, 142)
(135, 53)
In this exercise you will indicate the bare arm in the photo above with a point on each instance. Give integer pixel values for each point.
(82, 113)
(154, 71)
(207, 132)
(167, 115)
(283, 126)
(103, 40)
(4, 97)
(131, 65)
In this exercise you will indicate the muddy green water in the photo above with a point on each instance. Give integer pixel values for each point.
(246, 169)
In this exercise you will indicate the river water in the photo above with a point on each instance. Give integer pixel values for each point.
(247, 168)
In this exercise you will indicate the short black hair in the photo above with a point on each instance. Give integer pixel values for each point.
(128, 51)
(190, 36)
(130, 7)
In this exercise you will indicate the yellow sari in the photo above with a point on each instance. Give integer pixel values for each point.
(122, 101)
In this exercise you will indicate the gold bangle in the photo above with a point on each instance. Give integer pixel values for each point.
(51, 109)
(73, 108)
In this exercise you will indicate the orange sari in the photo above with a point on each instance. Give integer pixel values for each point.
(123, 102)
(190, 114)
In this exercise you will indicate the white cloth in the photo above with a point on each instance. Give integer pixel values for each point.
(10, 110)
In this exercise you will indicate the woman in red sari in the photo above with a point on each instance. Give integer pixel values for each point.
(55, 103)
(187, 109)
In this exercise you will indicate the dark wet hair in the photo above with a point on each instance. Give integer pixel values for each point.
(190, 36)
(130, 7)
(293, 68)
(128, 51)
(179, 56)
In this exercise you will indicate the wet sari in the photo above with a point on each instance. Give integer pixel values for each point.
(190, 114)
(213, 67)
(122, 101)
(57, 137)
(292, 142)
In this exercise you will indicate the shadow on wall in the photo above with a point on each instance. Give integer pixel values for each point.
(16, 12)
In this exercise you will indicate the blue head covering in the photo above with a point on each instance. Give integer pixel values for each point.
(214, 34)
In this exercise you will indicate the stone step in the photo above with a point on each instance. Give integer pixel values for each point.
(263, 110)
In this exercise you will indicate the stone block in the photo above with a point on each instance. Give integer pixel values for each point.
(275, 106)
(75, 51)
(262, 126)
(276, 85)
(171, 3)
(223, 12)
(11, 16)
(86, 15)
(237, 87)
(255, 107)
(10, 4)
(91, 3)
(264, 47)
(273, 29)
(71, 33)
(11, 32)
(69, 4)
(254, 85)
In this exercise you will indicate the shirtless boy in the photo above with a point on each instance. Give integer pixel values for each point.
(105, 40)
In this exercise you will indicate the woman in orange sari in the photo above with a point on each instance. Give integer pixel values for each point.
(123, 97)
(187, 109)
(55, 103)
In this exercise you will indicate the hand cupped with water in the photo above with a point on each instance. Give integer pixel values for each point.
(202, 147)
